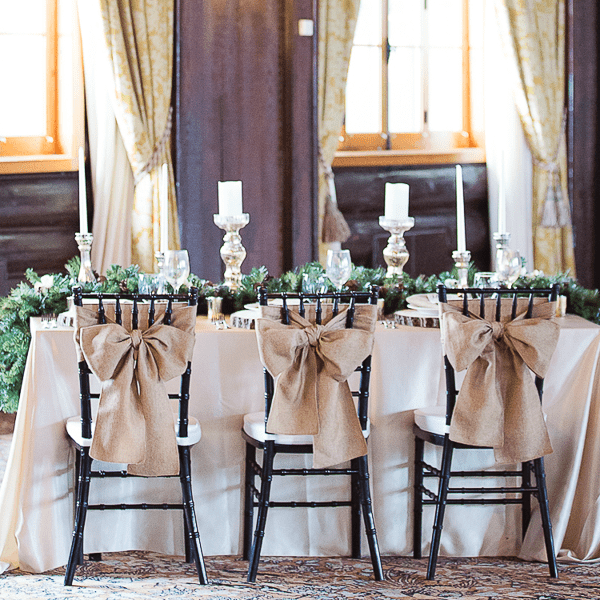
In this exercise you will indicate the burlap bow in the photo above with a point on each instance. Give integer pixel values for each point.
(311, 365)
(498, 404)
(134, 424)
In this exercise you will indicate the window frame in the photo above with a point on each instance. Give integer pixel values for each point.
(57, 150)
(415, 148)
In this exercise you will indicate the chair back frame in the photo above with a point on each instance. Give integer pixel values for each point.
(368, 297)
(85, 394)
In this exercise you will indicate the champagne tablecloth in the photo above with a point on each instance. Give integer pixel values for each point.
(36, 497)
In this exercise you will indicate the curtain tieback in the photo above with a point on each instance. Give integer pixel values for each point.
(154, 159)
(555, 212)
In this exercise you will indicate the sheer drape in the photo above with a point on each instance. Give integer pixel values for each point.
(112, 178)
(534, 35)
(139, 37)
(337, 20)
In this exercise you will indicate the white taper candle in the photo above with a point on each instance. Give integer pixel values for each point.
(163, 194)
(461, 241)
(83, 221)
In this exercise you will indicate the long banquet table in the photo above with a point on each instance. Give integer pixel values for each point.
(36, 497)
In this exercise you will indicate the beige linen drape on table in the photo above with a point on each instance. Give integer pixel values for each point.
(139, 38)
(534, 36)
(337, 21)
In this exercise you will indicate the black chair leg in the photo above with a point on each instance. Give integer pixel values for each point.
(355, 509)
(249, 478)
(263, 507)
(440, 508)
(540, 478)
(526, 501)
(418, 500)
(83, 488)
(186, 541)
(367, 510)
(185, 478)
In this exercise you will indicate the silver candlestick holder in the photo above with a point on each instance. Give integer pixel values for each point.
(84, 242)
(461, 262)
(395, 253)
(502, 246)
(160, 262)
(232, 251)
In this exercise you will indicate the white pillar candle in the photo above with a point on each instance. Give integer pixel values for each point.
(163, 194)
(230, 198)
(501, 199)
(83, 223)
(461, 242)
(396, 201)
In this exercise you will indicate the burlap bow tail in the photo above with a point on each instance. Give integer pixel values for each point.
(498, 404)
(311, 365)
(135, 423)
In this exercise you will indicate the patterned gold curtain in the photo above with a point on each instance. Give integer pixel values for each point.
(534, 35)
(337, 20)
(139, 37)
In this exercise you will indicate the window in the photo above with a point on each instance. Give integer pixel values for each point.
(419, 62)
(41, 105)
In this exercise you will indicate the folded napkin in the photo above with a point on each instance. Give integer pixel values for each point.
(498, 404)
(134, 424)
(311, 364)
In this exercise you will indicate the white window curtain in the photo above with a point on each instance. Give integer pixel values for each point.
(112, 177)
(505, 147)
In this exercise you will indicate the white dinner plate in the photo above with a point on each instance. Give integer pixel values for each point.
(425, 312)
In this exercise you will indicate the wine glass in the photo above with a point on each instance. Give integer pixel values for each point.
(508, 266)
(339, 267)
(176, 268)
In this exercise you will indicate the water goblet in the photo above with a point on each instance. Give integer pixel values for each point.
(176, 268)
(339, 267)
(509, 266)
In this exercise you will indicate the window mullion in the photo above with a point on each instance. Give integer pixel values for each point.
(466, 62)
(52, 72)
(385, 58)
(425, 67)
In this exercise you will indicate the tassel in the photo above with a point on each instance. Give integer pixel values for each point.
(335, 228)
(555, 213)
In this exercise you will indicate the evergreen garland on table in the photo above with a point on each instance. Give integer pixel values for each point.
(48, 294)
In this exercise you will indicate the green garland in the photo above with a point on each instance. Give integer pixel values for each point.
(48, 294)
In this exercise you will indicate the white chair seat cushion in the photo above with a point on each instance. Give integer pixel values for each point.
(254, 426)
(193, 436)
(432, 419)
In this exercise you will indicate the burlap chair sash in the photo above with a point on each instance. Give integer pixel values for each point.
(134, 424)
(498, 404)
(311, 364)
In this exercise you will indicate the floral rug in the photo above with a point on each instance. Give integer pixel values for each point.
(144, 575)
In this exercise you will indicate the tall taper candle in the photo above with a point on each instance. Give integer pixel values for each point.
(164, 207)
(501, 199)
(461, 242)
(83, 223)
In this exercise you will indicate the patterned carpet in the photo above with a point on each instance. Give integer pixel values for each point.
(143, 575)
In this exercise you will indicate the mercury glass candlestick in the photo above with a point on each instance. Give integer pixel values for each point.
(160, 261)
(395, 253)
(232, 251)
(84, 242)
(461, 262)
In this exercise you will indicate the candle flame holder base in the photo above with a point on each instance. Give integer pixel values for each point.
(84, 242)
(461, 262)
(232, 251)
(395, 253)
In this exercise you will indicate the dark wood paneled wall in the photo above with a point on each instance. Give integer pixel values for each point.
(583, 135)
(38, 221)
(245, 111)
(432, 203)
